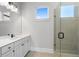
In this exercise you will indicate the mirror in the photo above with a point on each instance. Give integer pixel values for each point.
(10, 21)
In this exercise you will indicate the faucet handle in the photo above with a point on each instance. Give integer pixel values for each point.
(12, 35)
(8, 34)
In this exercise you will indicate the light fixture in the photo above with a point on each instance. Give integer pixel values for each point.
(9, 5)
(13, 7)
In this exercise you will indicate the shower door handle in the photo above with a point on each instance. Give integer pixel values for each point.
(60, 35)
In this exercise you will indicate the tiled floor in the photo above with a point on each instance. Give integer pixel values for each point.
(44, 54)
(39, 54)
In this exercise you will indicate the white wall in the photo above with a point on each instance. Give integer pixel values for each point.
(42, 32)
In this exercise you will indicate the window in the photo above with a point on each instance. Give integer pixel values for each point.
(67, 11)
(42, 13)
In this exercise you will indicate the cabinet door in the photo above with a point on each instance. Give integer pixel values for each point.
(18, 51)
(23, 48)
(8, 54)
(29, 44)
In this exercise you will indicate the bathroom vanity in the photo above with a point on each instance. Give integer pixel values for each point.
(17, 46)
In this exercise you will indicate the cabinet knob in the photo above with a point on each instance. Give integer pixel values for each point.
(13, 50)
(9, 47)
(22, 45)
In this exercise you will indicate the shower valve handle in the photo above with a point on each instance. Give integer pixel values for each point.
(60, 35)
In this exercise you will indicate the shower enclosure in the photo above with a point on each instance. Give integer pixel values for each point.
(67, 29)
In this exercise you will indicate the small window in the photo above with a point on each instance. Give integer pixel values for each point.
(42, 13)
(67, 11)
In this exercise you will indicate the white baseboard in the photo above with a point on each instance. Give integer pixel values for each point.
(42, 50)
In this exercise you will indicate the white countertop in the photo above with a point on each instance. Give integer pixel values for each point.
(4, 40)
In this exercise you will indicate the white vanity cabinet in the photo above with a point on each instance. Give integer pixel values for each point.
(28, 42)
(8, 54)
(7, 50)
(17, 48)
(22, 48)
(18, 51)
(0, 52)
(26, 45)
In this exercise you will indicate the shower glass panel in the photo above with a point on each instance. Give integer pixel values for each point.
(67, 30)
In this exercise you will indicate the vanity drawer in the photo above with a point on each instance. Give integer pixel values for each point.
(18, 42)
(8, 54)
(0, 52)
(7, 48)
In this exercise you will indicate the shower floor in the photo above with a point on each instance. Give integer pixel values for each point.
(65, 55)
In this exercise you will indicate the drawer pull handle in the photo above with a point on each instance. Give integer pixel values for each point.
(9, 47)
(22, 45)
(13, 50)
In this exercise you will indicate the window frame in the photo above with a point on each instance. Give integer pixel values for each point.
(42, 19)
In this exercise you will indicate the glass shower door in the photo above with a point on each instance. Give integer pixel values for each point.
(57, 29)
(66, 30)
